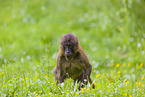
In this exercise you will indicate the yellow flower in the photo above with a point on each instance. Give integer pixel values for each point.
(82, 88)
(119, 75)
(82, 91)
(142, 77)
(22, 79)
(77, 93)
(26, 78)
(49, 94)
(97, 75)
(129, 64)
(88, 89)
(136, 83)
(108, 90)
(130, 95)
(140, 89)
(112, 64)
(34, 93)
(142, 85)
(119, 72)
(37, 96)
(117, 65)
(126, 83)
(2, 72)
(125, 94)
(124, 64)
(140, 65)
(95, 83)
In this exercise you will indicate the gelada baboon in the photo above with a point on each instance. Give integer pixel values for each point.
(72, 62)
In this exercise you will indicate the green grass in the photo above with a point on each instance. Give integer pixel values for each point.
(112, 33)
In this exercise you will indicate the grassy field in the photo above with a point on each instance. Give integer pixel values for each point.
(112, 33)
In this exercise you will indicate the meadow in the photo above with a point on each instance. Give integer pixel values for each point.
(112, 33)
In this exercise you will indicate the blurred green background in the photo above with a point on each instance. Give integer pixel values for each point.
(107, 29)
(110, 32)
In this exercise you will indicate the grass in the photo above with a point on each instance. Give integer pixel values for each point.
(112, 33)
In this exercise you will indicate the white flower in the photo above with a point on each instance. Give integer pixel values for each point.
(142, 52)
(28, 57)
(43, 7)
(138, 44)
(25, 20)
(62, 84)
(5, 60)
(22, 60)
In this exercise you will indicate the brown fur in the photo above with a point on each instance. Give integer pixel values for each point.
(78, 68)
